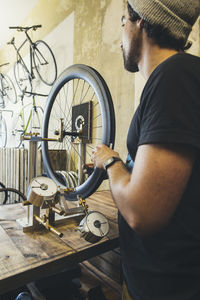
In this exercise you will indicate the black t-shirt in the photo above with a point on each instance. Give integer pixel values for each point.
(165, 265)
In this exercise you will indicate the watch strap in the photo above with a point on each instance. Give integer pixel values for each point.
(110, 161)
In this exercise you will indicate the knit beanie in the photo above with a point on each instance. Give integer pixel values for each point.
(178, 16)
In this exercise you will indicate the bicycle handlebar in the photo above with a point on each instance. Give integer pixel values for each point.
(20, 28)
(5, 64)
(36, 94)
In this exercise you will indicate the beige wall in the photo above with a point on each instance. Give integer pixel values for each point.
(96, 42)
(97, 32)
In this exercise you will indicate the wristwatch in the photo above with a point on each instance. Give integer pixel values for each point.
(110, 161)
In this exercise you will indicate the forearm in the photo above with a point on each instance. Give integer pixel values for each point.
(147, 198)
(120, 182)
(120, 185)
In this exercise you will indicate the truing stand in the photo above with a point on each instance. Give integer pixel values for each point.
(40, 196)
(43, 193)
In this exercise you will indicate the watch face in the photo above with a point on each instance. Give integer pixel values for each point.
(108, 162)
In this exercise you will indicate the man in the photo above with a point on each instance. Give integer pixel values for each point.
(159, 202)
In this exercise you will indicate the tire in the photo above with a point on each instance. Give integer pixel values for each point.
(95, 98)
(13, 195)
(9, 92)
(3, 133)
(44, 62)
(17, 131)
(3, 194)
(23, 78)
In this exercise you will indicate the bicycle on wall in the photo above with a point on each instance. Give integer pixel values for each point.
(23, 126)
(41, 59)
(7, 89)
(3, 131)
(3, 128)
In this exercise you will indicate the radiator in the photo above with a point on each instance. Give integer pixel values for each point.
(14, 170)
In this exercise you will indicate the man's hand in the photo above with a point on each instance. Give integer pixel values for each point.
(88, 169)
(100, 154)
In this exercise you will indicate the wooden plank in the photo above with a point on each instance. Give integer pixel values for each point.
(10, 257)
(108, 263)
(92, 277)
(11, 212)
(44, 253)
(102, 201)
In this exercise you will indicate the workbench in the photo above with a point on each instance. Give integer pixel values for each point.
(26, 257)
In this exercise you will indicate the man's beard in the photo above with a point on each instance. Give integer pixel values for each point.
(132, 56)
(129, 64)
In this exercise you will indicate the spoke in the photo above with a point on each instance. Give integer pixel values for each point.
(100, 126)
(94, 118)
(81, 97)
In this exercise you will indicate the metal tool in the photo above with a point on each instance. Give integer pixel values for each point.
(41, 189)
(93, 227)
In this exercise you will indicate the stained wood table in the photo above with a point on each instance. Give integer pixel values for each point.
(26, 257)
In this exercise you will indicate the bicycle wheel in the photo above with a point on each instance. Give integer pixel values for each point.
(8, 92)
(3, 133)
(44, 62)
(22, 77)
(17, 131)
(13, 195)
(3, 194)
(79, 98)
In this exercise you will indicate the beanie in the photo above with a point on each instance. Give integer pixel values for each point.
(178, 16)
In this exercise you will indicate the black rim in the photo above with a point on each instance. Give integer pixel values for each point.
(86, 78)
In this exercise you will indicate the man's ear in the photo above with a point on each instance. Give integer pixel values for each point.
(140, 23)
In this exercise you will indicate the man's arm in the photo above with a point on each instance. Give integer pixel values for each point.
(148, 197)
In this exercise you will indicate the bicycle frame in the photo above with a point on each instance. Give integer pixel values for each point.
(19, 57)
(40, 58)
(1, 91)
(21, 114)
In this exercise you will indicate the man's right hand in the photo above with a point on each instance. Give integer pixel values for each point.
(88, 169)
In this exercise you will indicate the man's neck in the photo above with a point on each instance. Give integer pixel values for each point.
(152, 56)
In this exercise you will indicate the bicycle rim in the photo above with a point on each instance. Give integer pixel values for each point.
(9, 92)
(22, 77)
(79, 96)
(44, 62)
(3, 194)
(13, 195)
(3, 133)
(2, 104)
(17, 131)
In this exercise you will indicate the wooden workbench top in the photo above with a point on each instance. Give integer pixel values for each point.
(25, 257)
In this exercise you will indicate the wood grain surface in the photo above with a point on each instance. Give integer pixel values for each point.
(25, 257)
